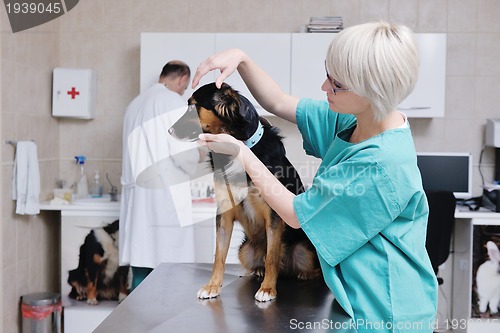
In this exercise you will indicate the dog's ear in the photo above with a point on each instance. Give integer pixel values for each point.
(112, 227)
(226, 102)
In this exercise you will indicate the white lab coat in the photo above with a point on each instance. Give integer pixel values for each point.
(150, 217)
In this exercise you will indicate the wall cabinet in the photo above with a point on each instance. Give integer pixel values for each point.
(308, 54)
(295, 61)
(159, 48)
(428, 98)
(271, 51)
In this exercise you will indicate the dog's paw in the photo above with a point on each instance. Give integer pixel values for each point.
(263, 305)
(209, 291)
(265, 295)
(259, 272)
(92, 301)
(121, 297)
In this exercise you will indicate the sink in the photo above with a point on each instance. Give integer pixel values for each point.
(104, 200)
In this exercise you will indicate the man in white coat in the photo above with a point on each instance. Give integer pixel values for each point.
(150, 216)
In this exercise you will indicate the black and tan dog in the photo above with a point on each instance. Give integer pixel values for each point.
(270, 247)
(98, 275)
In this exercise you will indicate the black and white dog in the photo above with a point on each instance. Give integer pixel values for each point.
(98, 275)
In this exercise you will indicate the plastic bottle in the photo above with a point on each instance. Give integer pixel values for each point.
(95, 186)
(82, 189)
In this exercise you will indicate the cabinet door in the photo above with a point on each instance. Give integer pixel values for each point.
(308, 64)
(428, 98)
(159, 48)
(271, 51)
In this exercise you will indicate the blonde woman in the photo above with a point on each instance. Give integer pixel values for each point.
(366, 211)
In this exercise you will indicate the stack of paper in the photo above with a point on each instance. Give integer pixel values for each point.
(325, 24)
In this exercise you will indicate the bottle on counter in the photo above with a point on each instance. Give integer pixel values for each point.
(96, 186)
(81, 189)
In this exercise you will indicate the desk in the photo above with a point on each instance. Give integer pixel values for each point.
(463, 245)
(166, 302)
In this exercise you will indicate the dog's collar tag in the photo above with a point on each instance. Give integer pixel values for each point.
(255, 138)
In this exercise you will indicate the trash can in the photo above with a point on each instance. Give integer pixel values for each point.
(41, 313)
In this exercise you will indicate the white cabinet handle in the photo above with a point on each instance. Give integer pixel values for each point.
(413, 107)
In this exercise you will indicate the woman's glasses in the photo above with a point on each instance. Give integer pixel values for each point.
(336, 86)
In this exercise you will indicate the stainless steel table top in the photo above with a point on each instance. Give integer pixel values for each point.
(166, 302)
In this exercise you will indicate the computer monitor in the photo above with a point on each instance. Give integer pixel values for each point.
(448, 172)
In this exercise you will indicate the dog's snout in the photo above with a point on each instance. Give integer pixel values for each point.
(187, 128)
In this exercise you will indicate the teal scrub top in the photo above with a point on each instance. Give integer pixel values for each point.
(366, 214)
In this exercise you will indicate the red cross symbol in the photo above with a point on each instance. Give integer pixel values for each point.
(73, 92)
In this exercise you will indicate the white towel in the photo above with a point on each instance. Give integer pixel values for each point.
(26, 179)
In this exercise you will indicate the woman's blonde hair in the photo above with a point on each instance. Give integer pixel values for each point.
(376, 60)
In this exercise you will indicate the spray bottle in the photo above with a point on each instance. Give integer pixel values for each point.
(82, 189)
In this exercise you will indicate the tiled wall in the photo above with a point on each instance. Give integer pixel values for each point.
(29, 245)
(1, 195)
(105, 36)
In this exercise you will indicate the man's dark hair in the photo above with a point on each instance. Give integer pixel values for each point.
(175, 68)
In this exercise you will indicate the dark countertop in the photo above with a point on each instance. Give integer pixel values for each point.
(166, 302)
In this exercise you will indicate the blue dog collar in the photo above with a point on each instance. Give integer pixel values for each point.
(255, 138)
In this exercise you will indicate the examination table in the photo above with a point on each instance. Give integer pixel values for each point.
(166, 302)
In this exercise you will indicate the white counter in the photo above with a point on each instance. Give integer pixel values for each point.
(113, 209)
(201, 210)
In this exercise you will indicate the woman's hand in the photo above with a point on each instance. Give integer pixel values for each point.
(265, 90)
(222, 144)
(270, 188)
(226, 61)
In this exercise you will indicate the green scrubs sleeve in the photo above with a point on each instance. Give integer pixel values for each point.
(345, 207)
(319, 125)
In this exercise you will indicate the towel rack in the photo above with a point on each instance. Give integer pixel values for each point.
(13, 143)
